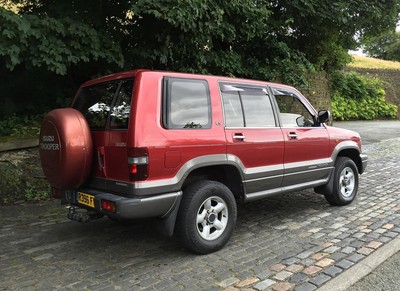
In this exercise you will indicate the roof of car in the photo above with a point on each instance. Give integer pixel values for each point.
(133, 73)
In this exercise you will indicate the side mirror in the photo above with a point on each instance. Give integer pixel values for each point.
(324, 116)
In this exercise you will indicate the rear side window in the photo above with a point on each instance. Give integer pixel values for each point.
(247, 107)
(186, 104)
(104, 101)
(233, 109)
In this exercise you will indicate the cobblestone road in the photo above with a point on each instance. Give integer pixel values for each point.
(295, 241)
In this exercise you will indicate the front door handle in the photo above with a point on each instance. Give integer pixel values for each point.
(292, 135)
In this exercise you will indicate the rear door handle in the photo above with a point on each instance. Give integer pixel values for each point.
(238, 136)
(101, 160)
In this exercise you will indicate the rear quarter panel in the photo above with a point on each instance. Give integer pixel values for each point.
(170, 149)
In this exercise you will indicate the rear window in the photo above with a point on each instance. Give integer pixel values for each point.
(106, 105)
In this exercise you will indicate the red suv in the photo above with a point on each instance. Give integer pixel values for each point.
(185, 149)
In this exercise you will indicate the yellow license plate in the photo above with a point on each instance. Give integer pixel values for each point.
(86, 199)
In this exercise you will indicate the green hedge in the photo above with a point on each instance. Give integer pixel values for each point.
(355, 97)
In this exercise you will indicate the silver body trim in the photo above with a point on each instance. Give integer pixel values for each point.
(258, 182)
(348, 144)
(254, 179)
(281, 190)
(189, 166)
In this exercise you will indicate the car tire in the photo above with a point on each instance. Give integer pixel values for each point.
(65, 148)
(206, 217)
(345, 183)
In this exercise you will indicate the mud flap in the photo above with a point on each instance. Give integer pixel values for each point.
(326, 189)
(166, 224)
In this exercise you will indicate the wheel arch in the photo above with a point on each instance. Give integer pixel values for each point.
(354, 155)
(227, 174)
(351, 150)
(347, 149)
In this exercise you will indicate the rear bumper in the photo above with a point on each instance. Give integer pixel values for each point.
(364, 162)
(130, 208)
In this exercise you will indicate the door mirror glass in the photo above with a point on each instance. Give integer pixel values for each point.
(303, 122)
(300, 121)
(324, 116)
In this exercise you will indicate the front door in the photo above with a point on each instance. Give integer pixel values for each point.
(306, 158)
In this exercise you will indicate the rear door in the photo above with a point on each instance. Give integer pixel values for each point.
(106, 108)
(116, 156)
(254, 141)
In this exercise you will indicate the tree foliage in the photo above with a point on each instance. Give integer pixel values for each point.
(272, 40)
(325, 30)
(385, 46)
(42, 41)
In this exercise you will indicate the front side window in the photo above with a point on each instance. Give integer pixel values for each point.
(247, 107)
(293, 112)
(186, 104)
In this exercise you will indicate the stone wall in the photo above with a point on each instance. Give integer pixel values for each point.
(318, 92)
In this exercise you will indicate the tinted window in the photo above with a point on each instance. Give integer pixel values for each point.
(95, 103)
(248, 108)
(121, 109)
(233, 110)
(187, 104)
(257, 109)
(293, 113)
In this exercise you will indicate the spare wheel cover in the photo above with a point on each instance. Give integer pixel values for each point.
(66, 148)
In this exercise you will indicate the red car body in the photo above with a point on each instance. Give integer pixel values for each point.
(134, 158)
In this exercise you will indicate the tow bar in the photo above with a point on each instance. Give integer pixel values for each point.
(82, 217)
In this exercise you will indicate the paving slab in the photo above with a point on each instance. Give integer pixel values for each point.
(294, 241)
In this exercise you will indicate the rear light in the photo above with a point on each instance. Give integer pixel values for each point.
(138, 164)
(109, 206)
